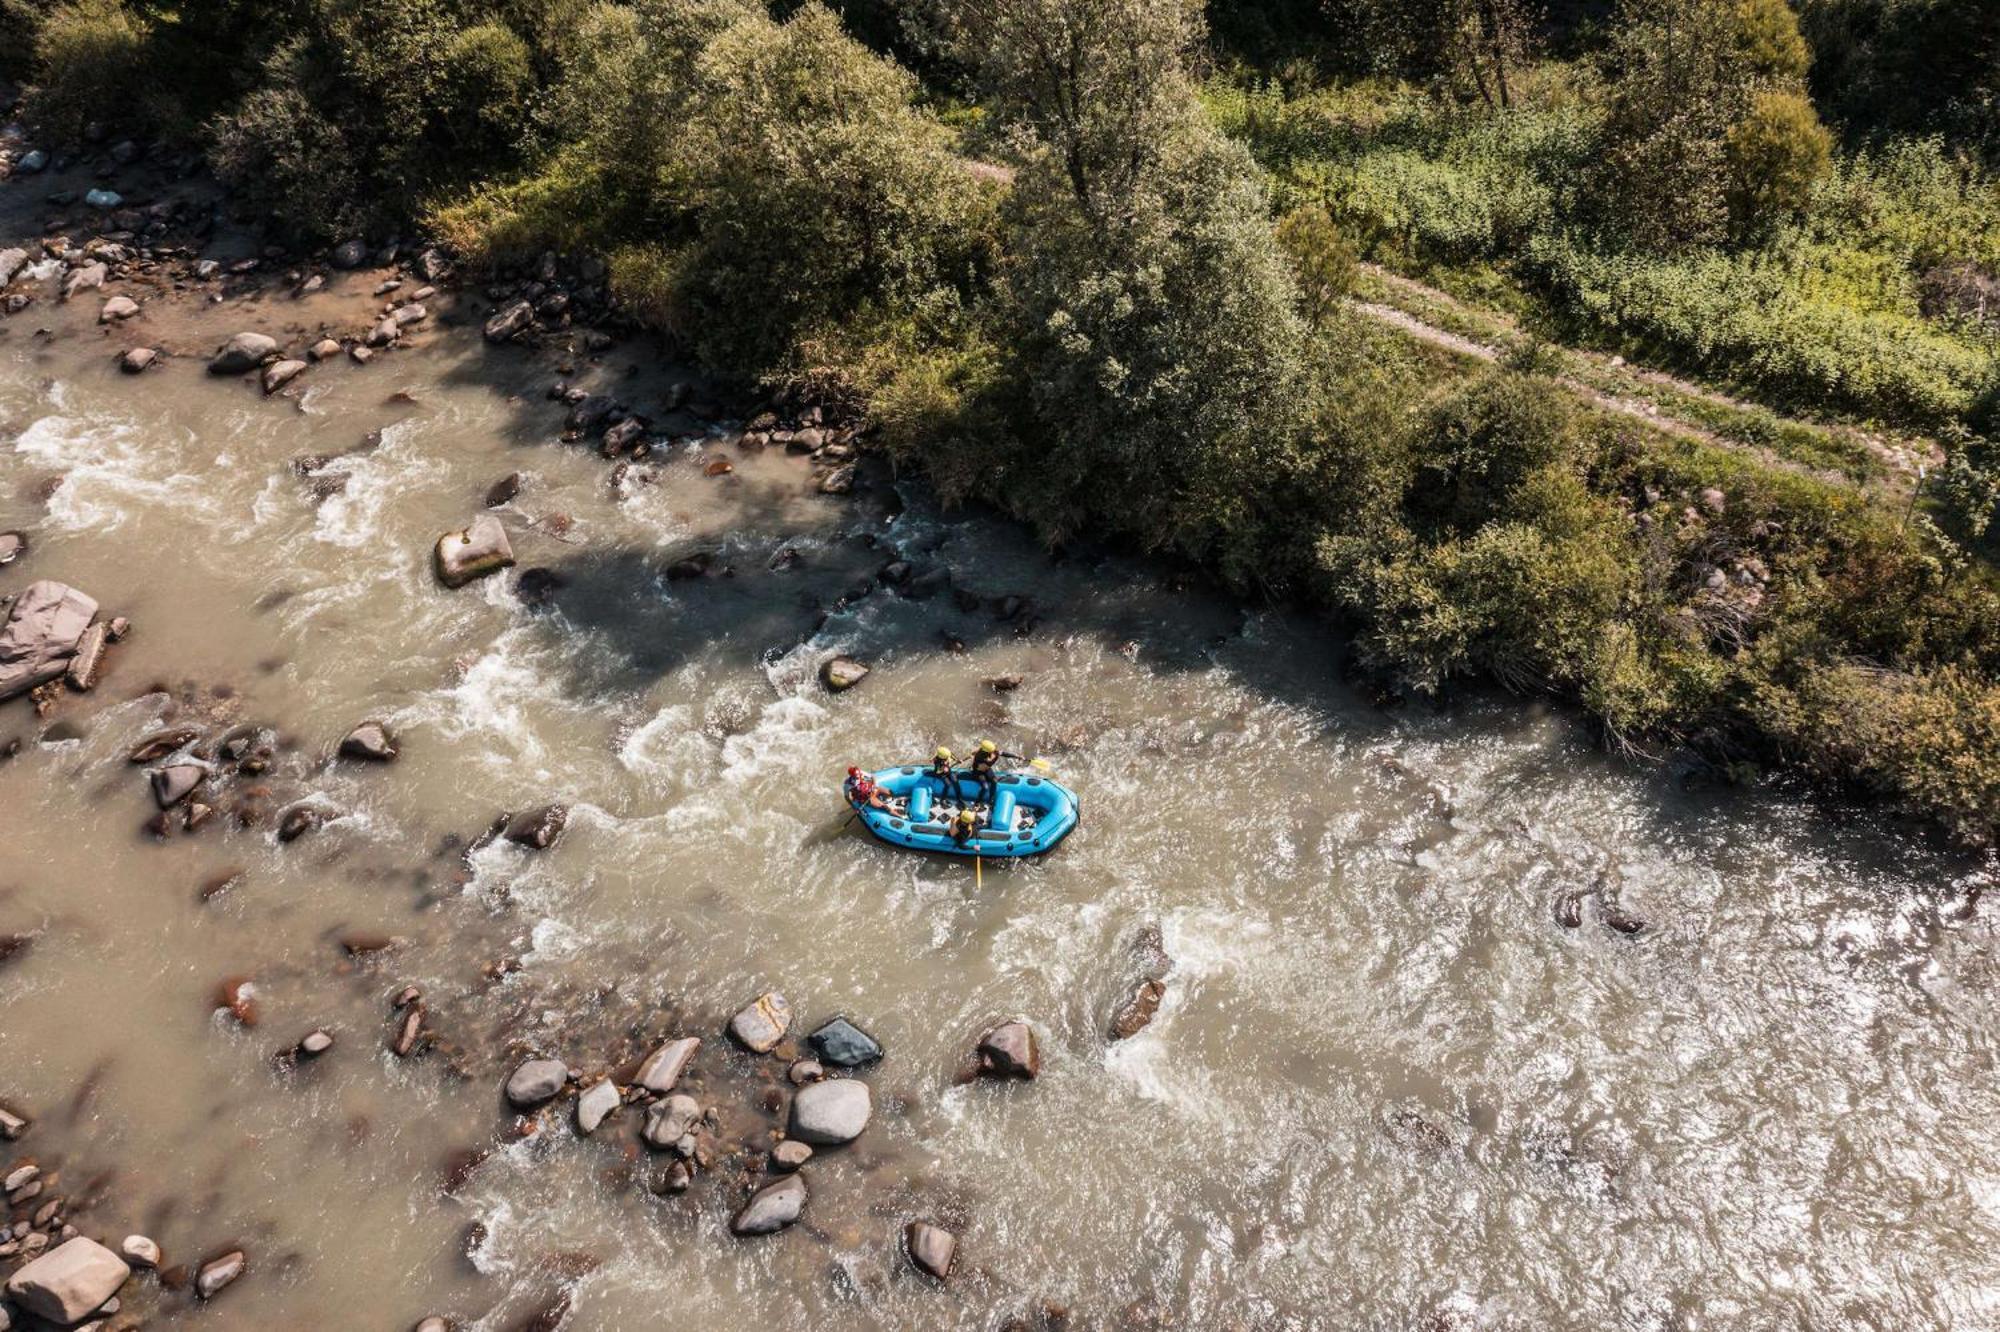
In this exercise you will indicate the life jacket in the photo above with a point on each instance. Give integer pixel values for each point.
(983, 763)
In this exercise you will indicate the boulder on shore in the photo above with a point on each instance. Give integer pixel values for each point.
(772, 1207)
(244, 352)
(69, 1282)
(475, 550)
(137, 359)
(827, 1114)
(509, 322)
(41, 635)
(349, 254)
(280, 373)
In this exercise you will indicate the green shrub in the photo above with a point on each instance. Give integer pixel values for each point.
(1777, 154)
(1324, 265)
(90, 65)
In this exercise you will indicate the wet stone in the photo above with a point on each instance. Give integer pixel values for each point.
(68, 1282)
(535, 1082)
(538, 829)
(668, 1121)
(844, 1045)
(137, 359)
(370, 740)
(598, 1102)
(931, 1248)
(13, 545)
(662, 1069)
(1136, 1013)
(472, 552)
(763, 1024)
(218, 1273)
(790, 1154)
(831, 1113)
(139, 1251)
(1009, 1051)
(504, 490)
(315, 1042)
(840, 674)
(772, 1208)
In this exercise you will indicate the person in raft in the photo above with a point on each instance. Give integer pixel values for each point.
(985, 760)
(942, 774)
(964, 827)
(861, 789)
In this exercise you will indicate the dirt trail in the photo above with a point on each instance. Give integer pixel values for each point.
(1900, 456)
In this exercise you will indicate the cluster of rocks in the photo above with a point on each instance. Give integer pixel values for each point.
(52, 634)
(549, 296)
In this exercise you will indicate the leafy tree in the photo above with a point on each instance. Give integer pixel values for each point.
(90, 64)
(1324, 264)
(1776, 154)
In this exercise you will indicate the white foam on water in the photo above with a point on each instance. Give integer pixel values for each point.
(354, 517)
(498, 699)
(670, 741)
(785, 738)
(111, 471)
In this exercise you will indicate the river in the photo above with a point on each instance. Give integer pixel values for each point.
(1386, 1088)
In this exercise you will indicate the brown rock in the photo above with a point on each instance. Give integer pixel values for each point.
(538, 829)
(1009, 1051)
(931, 1248)
(1138, 1009)
(69, 1282)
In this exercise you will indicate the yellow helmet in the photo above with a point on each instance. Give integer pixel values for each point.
(988, 747)
(967, 816)
(942, 753)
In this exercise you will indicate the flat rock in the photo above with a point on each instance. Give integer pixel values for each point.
(370, 740)
(41, 635)
(88, 663)
(244, 352)
(280, 373)
(217, 1273)
(510, 322)
(535, 1082)
(1009, 1051)
(538, 829)
(839, 674)
(323, 350)
(118, 307)
(662, 1069)
(597, 1103)
(829, 1113)
(136, 359)
(772, 1207)
(842, 1043)
(790, 1154)
(763, 1024)
(474, 551)
(84, 277)
(931, 1248)
(69, 1282)
(13, 545)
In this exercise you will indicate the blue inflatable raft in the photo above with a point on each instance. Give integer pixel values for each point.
(1030, 813)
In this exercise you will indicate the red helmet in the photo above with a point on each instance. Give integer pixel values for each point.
(854, 772)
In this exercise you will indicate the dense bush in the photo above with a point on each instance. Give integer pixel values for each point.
(92, 62)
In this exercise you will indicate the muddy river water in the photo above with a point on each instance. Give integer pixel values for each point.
(1386, 1088)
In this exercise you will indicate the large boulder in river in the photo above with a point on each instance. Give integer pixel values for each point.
(41, 635)
(243, 353)
(538, 829)
(69, 1282)
(475, 550)
(370, 740)
(829, 1113)
(772, 1207)
(841, 1042)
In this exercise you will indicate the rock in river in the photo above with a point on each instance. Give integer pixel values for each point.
(140, 1251)
(510, 322)
(217, 1273)
(538, 829)
(369, 740)
(176, 782)
(13, 545)
(668, 1121)
(839, 674)
(663, 1068)
(245, 351)
(772, 1207)
(1009, 1051)
(477, 549)
(789, 1155)
(68, 1282)
(842, 1043)
(137, 359)
(763, 1024)
(1138, 1009)
(535, 1082)
(931, 1248)
(597, 1103)
(829, 1113)
(41, 635)
(280, 373)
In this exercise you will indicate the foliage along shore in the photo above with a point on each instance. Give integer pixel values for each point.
(1014, 237)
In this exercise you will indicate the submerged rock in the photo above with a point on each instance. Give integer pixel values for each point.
(789, 1155)
(503, 491)
(69, 1282)
(280, 373)
(535, 1082)
(772, 1207)
(931, 1248)
(41, 635)
(137, 359)
(538, 829)
(475, 550)
(763, 1024)
(830, 1113)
